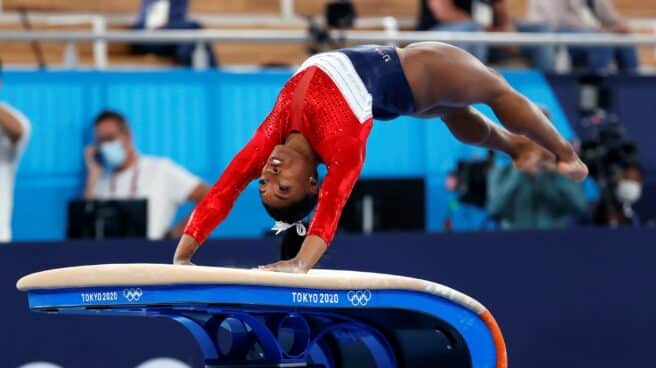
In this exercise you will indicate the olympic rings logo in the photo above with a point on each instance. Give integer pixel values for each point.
(132, 295)
(359, 298)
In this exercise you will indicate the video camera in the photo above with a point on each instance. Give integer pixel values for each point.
(607, 148)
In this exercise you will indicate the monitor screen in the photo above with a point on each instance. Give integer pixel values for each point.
(101, 219)
(378, 205)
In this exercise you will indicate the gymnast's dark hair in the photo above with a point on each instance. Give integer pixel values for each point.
(291, 242)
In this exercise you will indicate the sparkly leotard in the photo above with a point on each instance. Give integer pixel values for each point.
(329, 104)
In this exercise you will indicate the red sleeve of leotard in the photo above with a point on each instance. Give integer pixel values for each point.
(343, 171)
(244, 168)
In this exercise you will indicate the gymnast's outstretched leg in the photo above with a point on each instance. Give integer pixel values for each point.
(471, 127)
(446, 81)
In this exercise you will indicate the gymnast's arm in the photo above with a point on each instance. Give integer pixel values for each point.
(343, 172)
(215, 206)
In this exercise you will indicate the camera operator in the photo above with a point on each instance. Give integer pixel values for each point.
(542, 199)
(614, 165)
(610, 154)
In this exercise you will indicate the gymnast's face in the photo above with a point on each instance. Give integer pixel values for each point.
(286, 178)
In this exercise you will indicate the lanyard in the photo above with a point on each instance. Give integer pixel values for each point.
(133, 182)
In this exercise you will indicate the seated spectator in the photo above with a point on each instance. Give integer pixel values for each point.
(117, 171)
(14, 135)
(538, 200)
(456, 16)
(169, 15)
(616, 207)
(480, 16)
(540, 57)
(587, 16)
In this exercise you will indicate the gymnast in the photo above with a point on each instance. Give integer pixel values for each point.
(324, 114)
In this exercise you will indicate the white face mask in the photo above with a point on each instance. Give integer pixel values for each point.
(628, 191)
(113, 153)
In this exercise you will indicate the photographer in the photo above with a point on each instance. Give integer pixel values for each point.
(532, 200)
(541, 198)
(615, 167)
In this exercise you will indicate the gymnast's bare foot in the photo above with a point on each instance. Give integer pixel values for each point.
(570, 165)
(530, 157)
(574, 169)
(291, 266)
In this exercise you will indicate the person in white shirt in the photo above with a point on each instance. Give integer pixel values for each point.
(117, 171)
(14, 134)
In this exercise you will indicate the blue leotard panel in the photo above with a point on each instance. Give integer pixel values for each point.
(380, 69)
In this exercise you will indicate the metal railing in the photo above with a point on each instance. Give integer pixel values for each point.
(287, 17)
(282, 36)
(273, 36)
(97, 23)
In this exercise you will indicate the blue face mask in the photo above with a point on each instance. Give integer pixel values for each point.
(113, 154)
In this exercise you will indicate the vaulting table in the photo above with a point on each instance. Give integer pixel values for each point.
(254, 318)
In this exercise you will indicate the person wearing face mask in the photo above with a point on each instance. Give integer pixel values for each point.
(618, 210)
(115, 170)
(629, 188)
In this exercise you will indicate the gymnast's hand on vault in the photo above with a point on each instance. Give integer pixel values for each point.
(187, 246)
(291, 266)
(312, 249)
